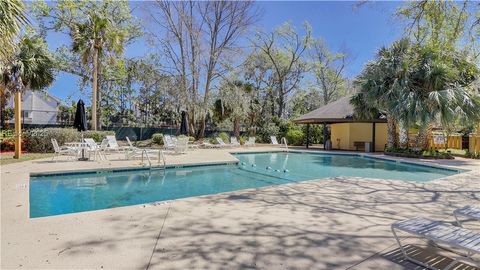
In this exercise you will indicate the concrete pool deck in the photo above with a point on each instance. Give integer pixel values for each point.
(339, 223)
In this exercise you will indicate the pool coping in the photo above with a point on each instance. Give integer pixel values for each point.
(131, 168)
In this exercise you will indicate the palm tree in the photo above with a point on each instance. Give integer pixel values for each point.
(32, 67)
(12, 18)
(417, 86)
(441, 90)
(90, 38)
(381, 83)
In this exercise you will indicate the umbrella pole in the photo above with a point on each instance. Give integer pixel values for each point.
(83, 158)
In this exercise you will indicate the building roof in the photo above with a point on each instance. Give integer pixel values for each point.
(340, 111)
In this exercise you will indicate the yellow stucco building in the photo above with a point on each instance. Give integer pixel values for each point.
(346, 132)
(344, 135)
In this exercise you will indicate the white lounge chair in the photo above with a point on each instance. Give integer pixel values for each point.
(440, 233)
(134, 152)
(70, 152)
(222, 143)
(250, 142)
(91, 143)
(168, 142)
(234, 141)
(210, 145)
(113, 144)
(468, 211)
(275, 142)
(273, 139)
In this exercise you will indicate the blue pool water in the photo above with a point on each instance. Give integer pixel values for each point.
(74, 192)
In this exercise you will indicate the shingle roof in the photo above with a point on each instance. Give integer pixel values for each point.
(339, 111)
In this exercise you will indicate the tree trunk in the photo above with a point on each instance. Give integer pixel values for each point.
(201, 129)
(391, 132)
(3, 104)
(403, 134)
(94, 89)
(236, 127)
(281, 105)
(422, 138)
(191, 123)
(18, 124)
(99, 95)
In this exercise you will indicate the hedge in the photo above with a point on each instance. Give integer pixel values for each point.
(295, 137)
(39, 140)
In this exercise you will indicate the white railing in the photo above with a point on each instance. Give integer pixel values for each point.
(284, 142)
(144, 153)
(162, 155)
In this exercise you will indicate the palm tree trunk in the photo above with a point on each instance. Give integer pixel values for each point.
(236, 127)
(18, 124)
(3, 104)
(403, 134)
(422, 138)
(391, 132)
(94, 89)
(99, 94)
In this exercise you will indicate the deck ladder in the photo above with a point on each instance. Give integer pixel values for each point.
(284, 141)
(144, 153)
(162, 155)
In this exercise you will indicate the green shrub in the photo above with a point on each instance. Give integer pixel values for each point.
(474, 155)
(243, 140)
(39, 139)
(295, 137)
(8, 144)
(212, 140)
(264, 133)
(224, 136)
(98, 136)
(191, 138)
(157, 138)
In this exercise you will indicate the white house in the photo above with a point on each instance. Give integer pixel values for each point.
(38, 107)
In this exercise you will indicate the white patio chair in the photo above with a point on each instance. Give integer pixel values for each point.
(222, 143)
(250, 142)
(94, 148)
(181, 146)
(113, 144)
(134, 151)
(70, 152)
(469, 211)
(440, 233)
(103, 148)
(234, 141)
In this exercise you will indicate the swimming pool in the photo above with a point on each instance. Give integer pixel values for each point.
(77, 192)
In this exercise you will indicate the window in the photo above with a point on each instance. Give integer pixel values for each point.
(26, 114)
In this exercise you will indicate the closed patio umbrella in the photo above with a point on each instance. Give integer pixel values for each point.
(184, 124)
(80, 123)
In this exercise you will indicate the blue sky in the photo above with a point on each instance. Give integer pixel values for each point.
(360, 30)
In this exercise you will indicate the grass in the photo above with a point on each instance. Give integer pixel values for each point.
(8, 158)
